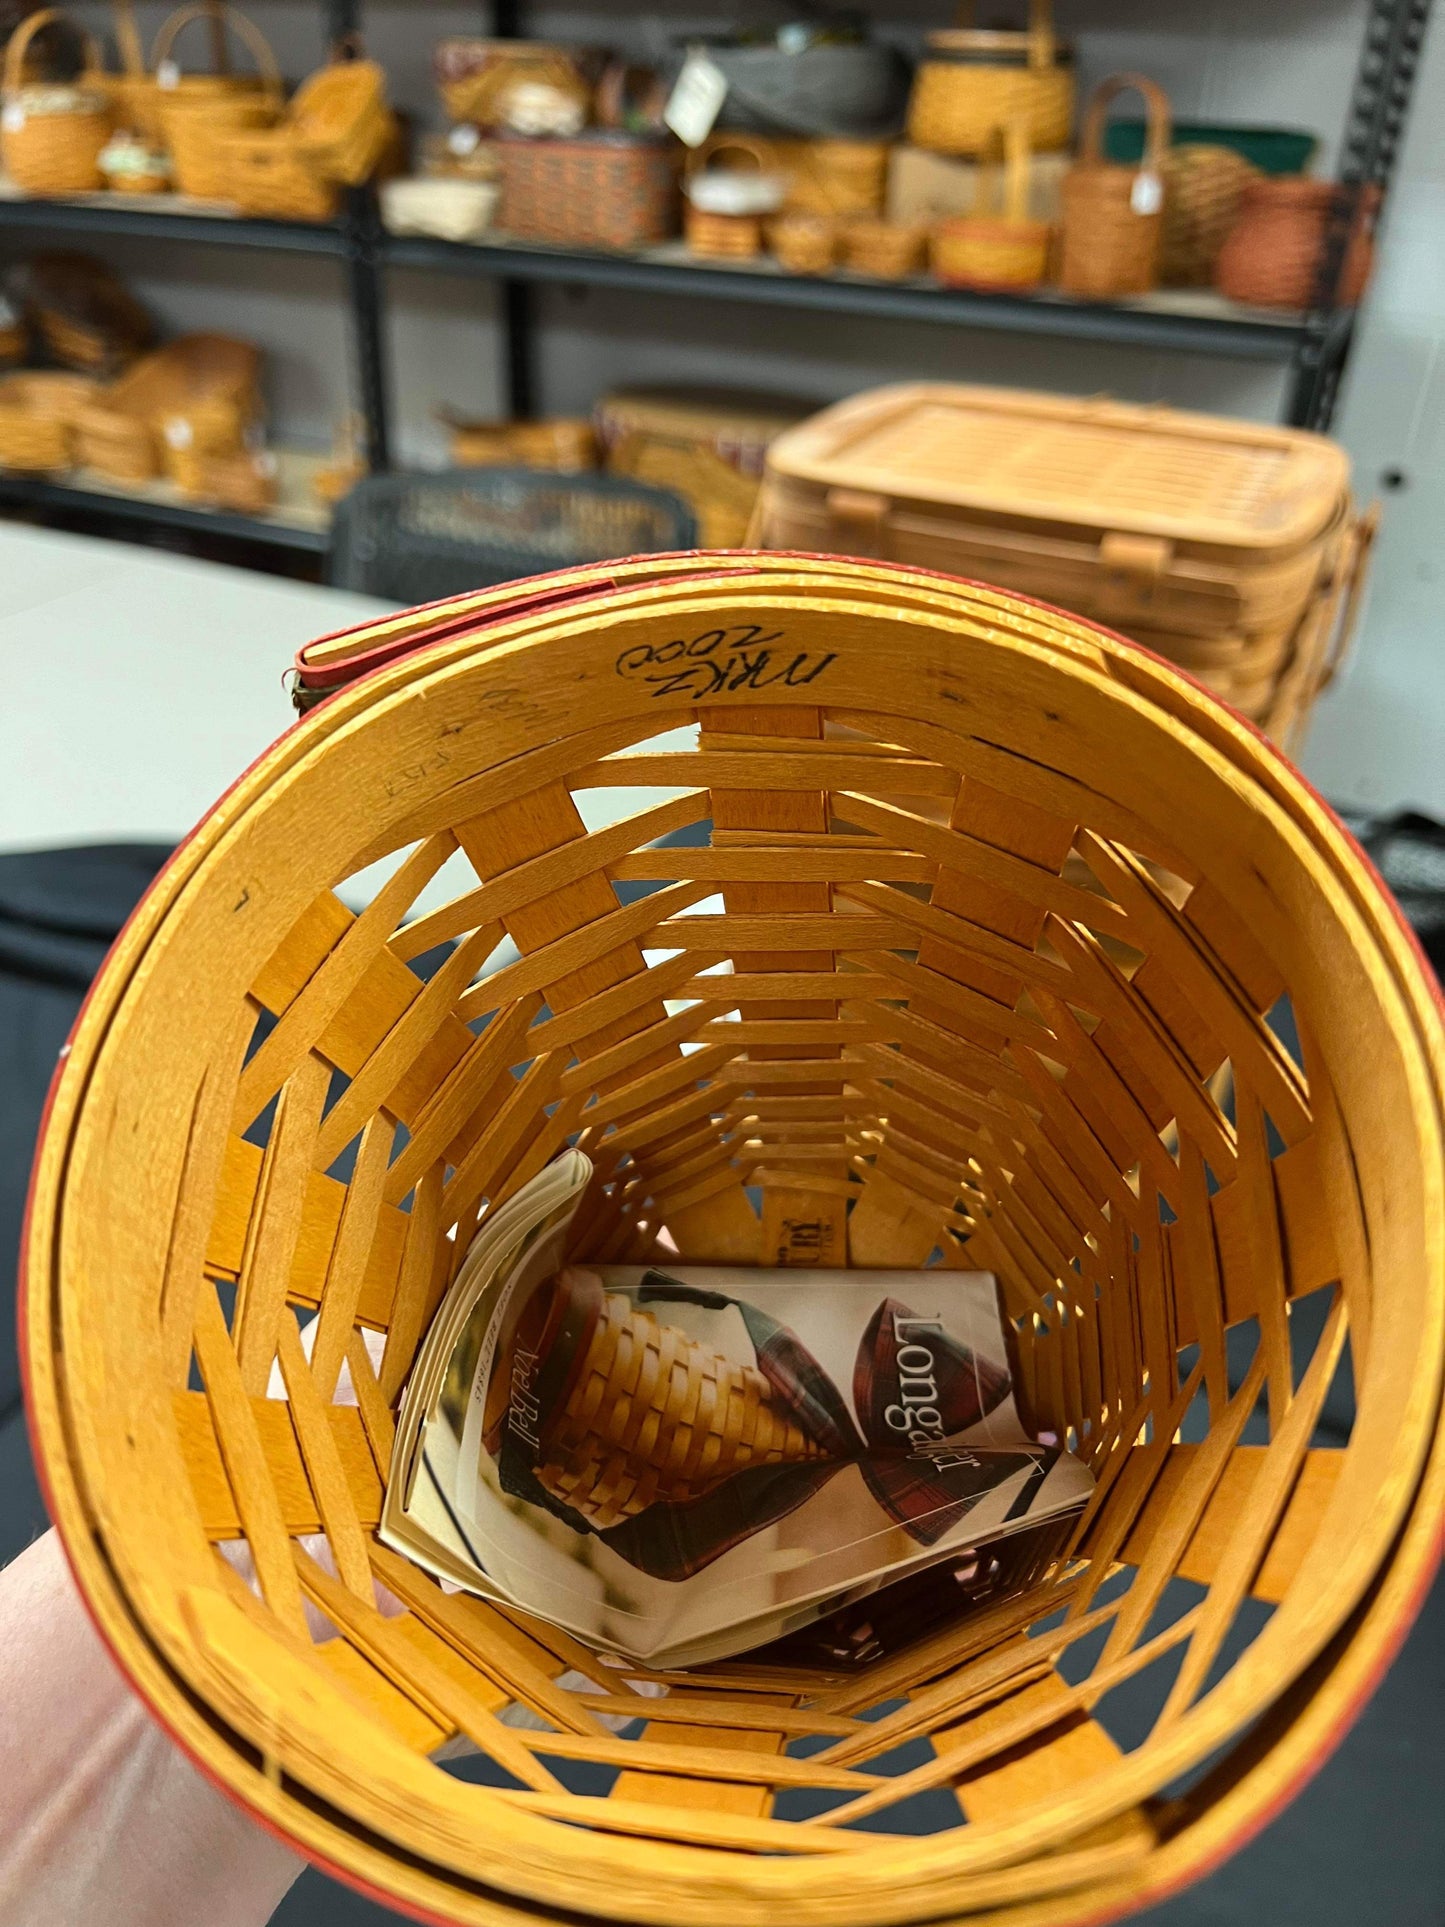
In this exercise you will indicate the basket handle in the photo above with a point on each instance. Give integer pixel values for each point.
(127, 38)
(760, 152)
(1043, 42)
(20, 40)
(1009, 144)
(1356, 573)
(243, 28)
(1159, 121)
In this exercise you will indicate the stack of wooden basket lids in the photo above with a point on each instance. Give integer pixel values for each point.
(1229, 547)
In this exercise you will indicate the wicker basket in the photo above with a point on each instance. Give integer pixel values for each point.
(1213, 542)
(81, 313)
(888, 250)
(566, 444)
(832, 177)
(37, 419)
(598, 190)
(487, 83)
(803, 243)
(14, 335)
(134, 99)
(1272, 256)
(210, 378)
(1114, 216)
(340, 121)
(970, 84)
(1203, 187)
(266, 172)
(51, 135)
(1019, 892)
(727, 209)
(707, 445)
(1002, 249)
(198, 109)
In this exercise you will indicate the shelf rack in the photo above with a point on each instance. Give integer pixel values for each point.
(1312, 346)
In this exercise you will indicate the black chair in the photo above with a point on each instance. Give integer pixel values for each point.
(416, 538)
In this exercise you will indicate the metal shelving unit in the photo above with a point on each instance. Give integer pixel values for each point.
(1313, 346)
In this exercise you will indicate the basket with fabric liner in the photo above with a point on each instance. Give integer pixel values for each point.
(1005, 900)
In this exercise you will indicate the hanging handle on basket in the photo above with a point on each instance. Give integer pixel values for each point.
(20, 40)
(1357, 570)
(1043, 42)
(127, 38)
(1009, 145)
(244, 29)
(1159, 127)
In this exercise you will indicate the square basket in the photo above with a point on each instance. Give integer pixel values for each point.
(842, 914)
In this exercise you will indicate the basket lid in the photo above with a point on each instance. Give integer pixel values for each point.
(1009, 453)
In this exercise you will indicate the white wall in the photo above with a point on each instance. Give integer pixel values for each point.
(1290, 63)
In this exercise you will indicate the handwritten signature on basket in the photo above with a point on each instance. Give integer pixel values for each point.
(721, 660)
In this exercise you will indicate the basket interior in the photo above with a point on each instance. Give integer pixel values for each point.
(939, 940)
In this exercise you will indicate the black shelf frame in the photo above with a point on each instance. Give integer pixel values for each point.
(1314, 346)
(34, 493)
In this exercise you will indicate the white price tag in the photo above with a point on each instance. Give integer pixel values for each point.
(1147, 194)
(463, 140)
(696, 98)
(168, 75)
(179, 433)
(13, 118)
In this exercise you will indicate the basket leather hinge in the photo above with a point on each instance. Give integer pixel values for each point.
(860, 516)
(1135, 564)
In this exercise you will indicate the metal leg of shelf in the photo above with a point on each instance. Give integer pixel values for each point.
(364, 271)
(518, 343)
(1384, 82)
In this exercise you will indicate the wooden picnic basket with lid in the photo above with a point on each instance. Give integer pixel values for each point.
(1230, 547)
(970, 83)
(1041, 960)
(52, 132)
(197, 110)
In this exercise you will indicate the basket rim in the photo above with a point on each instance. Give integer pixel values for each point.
(142, 1655)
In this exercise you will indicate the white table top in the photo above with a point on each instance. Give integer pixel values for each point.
(136, 686)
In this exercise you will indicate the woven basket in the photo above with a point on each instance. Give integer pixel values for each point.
(726, 210)
(707, 445)
(1203, 187)
(340, 121)
(1002, 249)
(14, 337)
(197, 109)
(1002, 896)
(596, 190)
(1114, 216)
(51, 136)
(833, 177)
(211, 378)
(566, 444)
(803, 243)
(479, 79)
(888, 250)
(1272, 256)
(266, 172)
(969, 84)
(81, 312)
(37, 419)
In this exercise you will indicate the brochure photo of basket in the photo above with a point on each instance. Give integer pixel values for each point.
(1041, 963)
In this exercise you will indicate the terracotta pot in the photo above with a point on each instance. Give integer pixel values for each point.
(1271, 257)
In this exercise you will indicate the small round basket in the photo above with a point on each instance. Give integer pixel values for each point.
(967, 934)
(803, 243)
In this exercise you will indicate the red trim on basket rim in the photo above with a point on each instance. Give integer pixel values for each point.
(1250, 1825)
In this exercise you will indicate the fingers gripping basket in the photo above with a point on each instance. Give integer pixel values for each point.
(1002, 897)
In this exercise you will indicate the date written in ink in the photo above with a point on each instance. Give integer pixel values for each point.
(722, 660)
